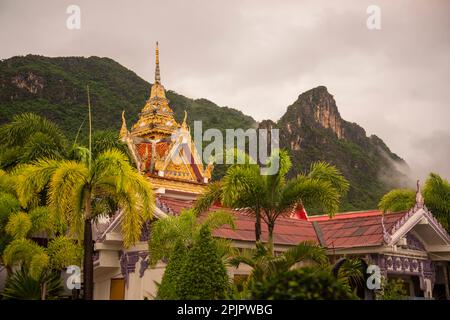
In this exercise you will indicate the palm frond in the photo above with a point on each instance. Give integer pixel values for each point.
(64, 251)
(436, 193)
(306, 251)
(350, 273)
(24, 125)
(212, 194)
(68, 178)
(241, 186)
(32, 179)
(19, 225)
(27, 253)
(42, 220)
(165, 233)
(324, 171)
(216, 219)
(397, 200)
(8, 205)
(309, 191)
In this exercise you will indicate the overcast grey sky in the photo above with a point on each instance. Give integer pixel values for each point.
(258, 56)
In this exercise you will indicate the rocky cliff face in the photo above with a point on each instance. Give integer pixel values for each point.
(312, 129)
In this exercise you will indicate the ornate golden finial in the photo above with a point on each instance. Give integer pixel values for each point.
(157, 72)
(209, 169)
(184, 125)
(123, 130)
(419, 197)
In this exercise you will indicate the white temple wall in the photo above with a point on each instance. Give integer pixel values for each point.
(149, 288)
(102, 282)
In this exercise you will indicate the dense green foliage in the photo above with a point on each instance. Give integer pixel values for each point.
(265, 265)
(203, 275)
(436, 194)
(8, 206)
(306, 283)
(392, 289)
(167, 290)
(29, 137)
(397, 200)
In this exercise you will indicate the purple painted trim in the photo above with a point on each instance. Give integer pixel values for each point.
(386, 236)
(145, 233)
(414, 243)
(391, 264)
(128, 263)
(144, 263)
(402, 221)
(164, 207)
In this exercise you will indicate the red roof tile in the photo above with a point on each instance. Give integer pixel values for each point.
(345, 230)
(355, 229)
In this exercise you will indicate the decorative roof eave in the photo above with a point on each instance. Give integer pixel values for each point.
(115, 225)
(411, 219)
(437, 226)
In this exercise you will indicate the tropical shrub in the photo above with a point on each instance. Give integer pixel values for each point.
(392, 289)
(307, 283)
(203, 274)
(167, 290)
(20, 285)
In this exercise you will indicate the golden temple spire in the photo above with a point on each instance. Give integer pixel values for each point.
(157, 72)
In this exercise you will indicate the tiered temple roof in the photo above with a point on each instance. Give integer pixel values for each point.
(163, 149)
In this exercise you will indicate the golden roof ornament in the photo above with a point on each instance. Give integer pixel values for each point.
(157, 89)
(419, 198)
(157, 71)
(156, 119)
(184, 125)
(124, 129)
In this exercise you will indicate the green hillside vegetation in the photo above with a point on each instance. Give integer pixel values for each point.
(56, 89)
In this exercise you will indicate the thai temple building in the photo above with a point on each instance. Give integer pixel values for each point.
(409, 245)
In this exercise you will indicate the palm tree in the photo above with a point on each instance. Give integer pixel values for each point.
(268, 197)
(79, 192)
(185, 228)
(436, 194)
(29, 137)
